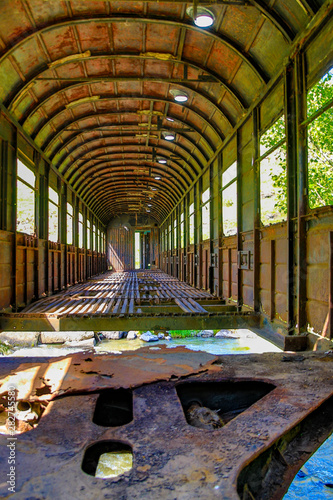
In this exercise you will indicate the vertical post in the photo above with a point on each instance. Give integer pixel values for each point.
(198, 232)
(330, 290)
(256, 204)
(219, 226)
(239, 221)
(63, 231)
(302, 174)
(39, 224)
(272, 284)
(3, 183)
(212, 194)
(13, 219)
(47, 244)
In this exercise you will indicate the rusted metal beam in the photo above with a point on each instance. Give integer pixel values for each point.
(256, 210)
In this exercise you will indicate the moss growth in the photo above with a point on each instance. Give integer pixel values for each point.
(180, 334)
(4, 349)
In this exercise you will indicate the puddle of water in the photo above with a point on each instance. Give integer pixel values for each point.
(248, 342)
(311, 480)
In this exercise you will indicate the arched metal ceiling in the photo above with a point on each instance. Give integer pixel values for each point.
(90, 81)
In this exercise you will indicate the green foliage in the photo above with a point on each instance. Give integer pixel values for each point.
(182, 333)
(4, 349)
(320, 144)
(320, 151)
(273, 175)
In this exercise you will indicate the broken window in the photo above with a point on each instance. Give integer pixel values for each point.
(205, 198)
(26, 180)
(53, 215)
(320, 142)
(229, 200)
(273, 178)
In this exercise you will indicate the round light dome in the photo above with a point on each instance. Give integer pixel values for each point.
(157, 178)
(204, 18)
(170, 119)
(203, 21)
(162, 161)
(169, 136)
(179, 95)
(181, 98)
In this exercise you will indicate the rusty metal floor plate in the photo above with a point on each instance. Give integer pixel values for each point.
(119, 300)
(255, 455)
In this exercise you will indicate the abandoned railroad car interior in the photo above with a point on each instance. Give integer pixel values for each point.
(165, 165)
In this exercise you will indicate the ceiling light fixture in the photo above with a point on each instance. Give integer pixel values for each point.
(179, 95)
(202, 17)
(157, 178)
(170, 119)
(162, 161)
(169, 136)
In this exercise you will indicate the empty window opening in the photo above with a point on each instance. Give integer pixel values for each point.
(114, 407)
(88, 235)
(206, 214)
(53, 215)
(229, 200)
(94, 238)
(210, 405)
(320, 142)
(69, 219)
(107, 459)
(25, 199)
(80, 230)
(273, 175)
(137, 250)
(191, 228)
(182, 232)
(175, 233)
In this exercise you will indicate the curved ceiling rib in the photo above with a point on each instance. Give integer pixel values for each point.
(247, 58)
(90, 84)
(275, 19)
(156, 169)
(213, 77)
(147, 162)
(121, 148)
(200, 117)
(100, 202)
(57, 116)
(70, 163)
(166, 186)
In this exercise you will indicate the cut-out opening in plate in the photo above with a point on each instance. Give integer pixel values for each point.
(203, 401)
(114, 407)
(107, 459)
